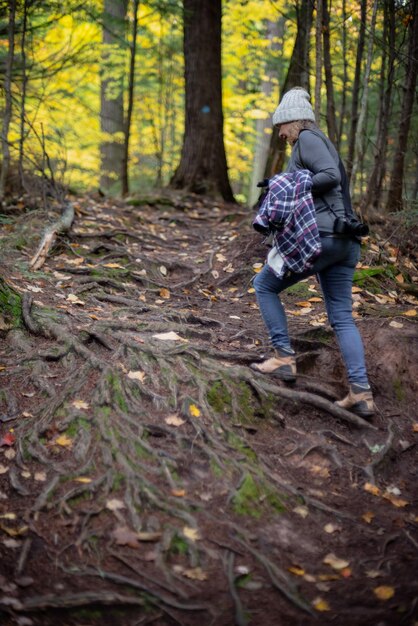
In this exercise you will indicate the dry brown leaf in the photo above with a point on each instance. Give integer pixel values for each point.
(169, 336)
(368, 517)
(191, 533)
(303, 511)
(296, 570)
(115, 505)
(123, 536)
(334, 562)
(174, 420)
(64, 441)
(195, 574)
(395, 324)
(113, 265)
(384, 592)
(165, 293)
(372, 489)
(178, 493)
(320, 604)
(303, 303)
(80, 404)
(398, 502)
(331, 528)
(410, 313)
(75, 299)
(138, 375)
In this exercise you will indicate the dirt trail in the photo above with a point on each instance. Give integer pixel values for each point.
(148, 476)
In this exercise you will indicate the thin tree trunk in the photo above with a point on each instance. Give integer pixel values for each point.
(23, 94)
(297, 75)
(131, 86)
(8, 99)
(358, 154)
(318, 58)
(345, 74)
(111, 100)
(263, 126)
(356, 88)
(374, 188)
(394, 201)
(331, 117)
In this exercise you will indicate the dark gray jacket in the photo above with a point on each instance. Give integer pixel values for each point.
(318, 155)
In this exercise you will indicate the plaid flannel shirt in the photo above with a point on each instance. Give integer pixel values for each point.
(289, 207)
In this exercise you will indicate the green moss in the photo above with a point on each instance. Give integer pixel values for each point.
(254, 497)
(117, 482)
(10, 306)
(240, 445)
(219, 397)
(75, 426)
(178, 545)
(299, 289)
(217, 471)
(116, 386)
(247, 498)
(399, 390)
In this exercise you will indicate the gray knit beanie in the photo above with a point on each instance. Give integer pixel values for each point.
(295, 105)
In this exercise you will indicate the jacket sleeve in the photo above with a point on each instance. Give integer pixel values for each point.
(316, 157)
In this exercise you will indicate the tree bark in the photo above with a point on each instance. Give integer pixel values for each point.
(111, 94)
(203, 166)
(329, 82)
(356, 88)
(318, 57)
(297, 75)
(131, 84)
(394, 201)
(374, 188)
(358, 143)
(8, 99)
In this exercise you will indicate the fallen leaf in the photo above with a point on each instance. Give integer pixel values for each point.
(372, 489)
(410, 313)
(320, 605)
(8, 516)
(25, 474)
(195, 574)
(220, 257)
(373, 573)
(400, 278)
(148, 536)
(40, 476)
(297, 571)
(8, 439)
(138, 375)
(113, 265)
(303, 511)
(10, 454)
(3, 469)
(346, 572)
(191, 533)
(83, 479)
(14, 532)
(80, 404)
(331, 528)
(63, 441)
(367, 517)
(398, 502)
(384, 592)
(315, 299)
(115, 505)
(178, 493)
(11, 543)
(170, 336)
(75, 299)
(165, 293)
(395, 324)
(194, 410)
(174, 420)
(415, 427)
(334, 562)
(257, 267)
(163, 270)
(303, 304)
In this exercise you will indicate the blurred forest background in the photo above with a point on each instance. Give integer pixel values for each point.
(127, 96)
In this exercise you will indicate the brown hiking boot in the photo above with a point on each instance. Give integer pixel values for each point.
(359, 400)
(282, 365)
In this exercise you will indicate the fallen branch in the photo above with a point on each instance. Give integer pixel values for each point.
(60, 226)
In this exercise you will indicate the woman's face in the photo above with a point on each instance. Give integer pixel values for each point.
(289, 131)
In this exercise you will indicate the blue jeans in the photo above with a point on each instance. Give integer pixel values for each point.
(335, 269)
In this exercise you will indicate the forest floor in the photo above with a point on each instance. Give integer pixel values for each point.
(149, 476)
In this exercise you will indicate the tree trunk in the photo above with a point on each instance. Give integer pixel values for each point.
(318, 57)
(394, 201)
(374, 187)
(331, 117)
(203, 167)
(343, 106)
(23, 94)
(297, 75)
(356, 89)
(263, 126)
(358, 154)
(131, 84)
(8, 99)
(111, 113)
